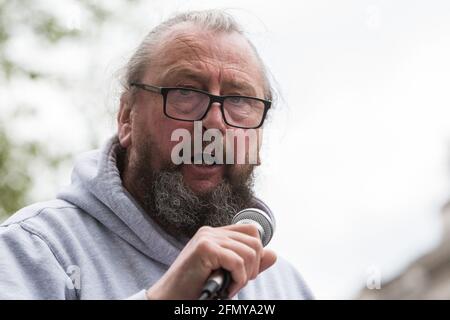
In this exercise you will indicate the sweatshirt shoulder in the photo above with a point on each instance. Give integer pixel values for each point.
(53, 221)
(36, 210)
(29, 268)
(57, 225)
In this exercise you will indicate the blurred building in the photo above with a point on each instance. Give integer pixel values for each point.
(426, 278)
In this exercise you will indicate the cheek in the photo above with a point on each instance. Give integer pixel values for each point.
(162, 133)
(150, 124)
(245, 144)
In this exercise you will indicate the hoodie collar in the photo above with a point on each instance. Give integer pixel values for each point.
(97, 189)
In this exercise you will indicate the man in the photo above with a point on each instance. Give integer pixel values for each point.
(133, 223)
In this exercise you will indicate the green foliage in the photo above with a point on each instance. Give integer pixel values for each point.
(28, 17)
(48, 27)
(15, 182)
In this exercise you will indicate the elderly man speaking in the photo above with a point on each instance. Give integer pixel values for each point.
(137, 223)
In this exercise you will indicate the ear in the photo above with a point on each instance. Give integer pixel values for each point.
(124, 120)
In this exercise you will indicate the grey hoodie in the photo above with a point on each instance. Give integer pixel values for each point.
(95, 242)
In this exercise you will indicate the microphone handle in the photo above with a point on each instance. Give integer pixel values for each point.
(216, 287)
(222, 293)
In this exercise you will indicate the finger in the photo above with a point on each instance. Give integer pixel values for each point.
(247, 234)
(252, 240)
(214, 257)
(269, 257)
(232, 262)
(251, 256)
(249, 229)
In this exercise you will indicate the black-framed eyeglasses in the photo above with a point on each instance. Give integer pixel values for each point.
(186, 104)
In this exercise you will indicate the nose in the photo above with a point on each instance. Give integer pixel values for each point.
(214, 118)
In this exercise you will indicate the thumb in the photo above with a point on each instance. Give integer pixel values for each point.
(268, 258)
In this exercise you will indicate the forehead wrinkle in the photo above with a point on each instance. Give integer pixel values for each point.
(202, 46)
(204, 58)
(194, 47)
(187, 44)
(239, 79)
(184, 69)
(190, 55)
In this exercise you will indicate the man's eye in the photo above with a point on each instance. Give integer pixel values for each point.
(187, 85)
(235, 100)
(184, 92)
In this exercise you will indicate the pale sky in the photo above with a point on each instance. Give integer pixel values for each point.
(356, 157)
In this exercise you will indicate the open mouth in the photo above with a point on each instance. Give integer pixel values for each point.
(203, 167)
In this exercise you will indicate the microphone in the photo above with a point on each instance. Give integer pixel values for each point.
(217, 283)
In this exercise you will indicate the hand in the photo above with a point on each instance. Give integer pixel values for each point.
(236, 248)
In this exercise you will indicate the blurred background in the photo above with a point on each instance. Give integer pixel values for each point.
(356, 154)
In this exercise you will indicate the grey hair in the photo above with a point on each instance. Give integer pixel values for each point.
(213, 20)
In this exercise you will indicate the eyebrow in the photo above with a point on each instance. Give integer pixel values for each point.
(191, 74)
(244, 87)
(184, 72)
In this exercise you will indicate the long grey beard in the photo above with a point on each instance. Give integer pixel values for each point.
(182, 212)
(175, 207)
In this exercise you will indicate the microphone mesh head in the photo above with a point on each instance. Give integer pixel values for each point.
(259, 217)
